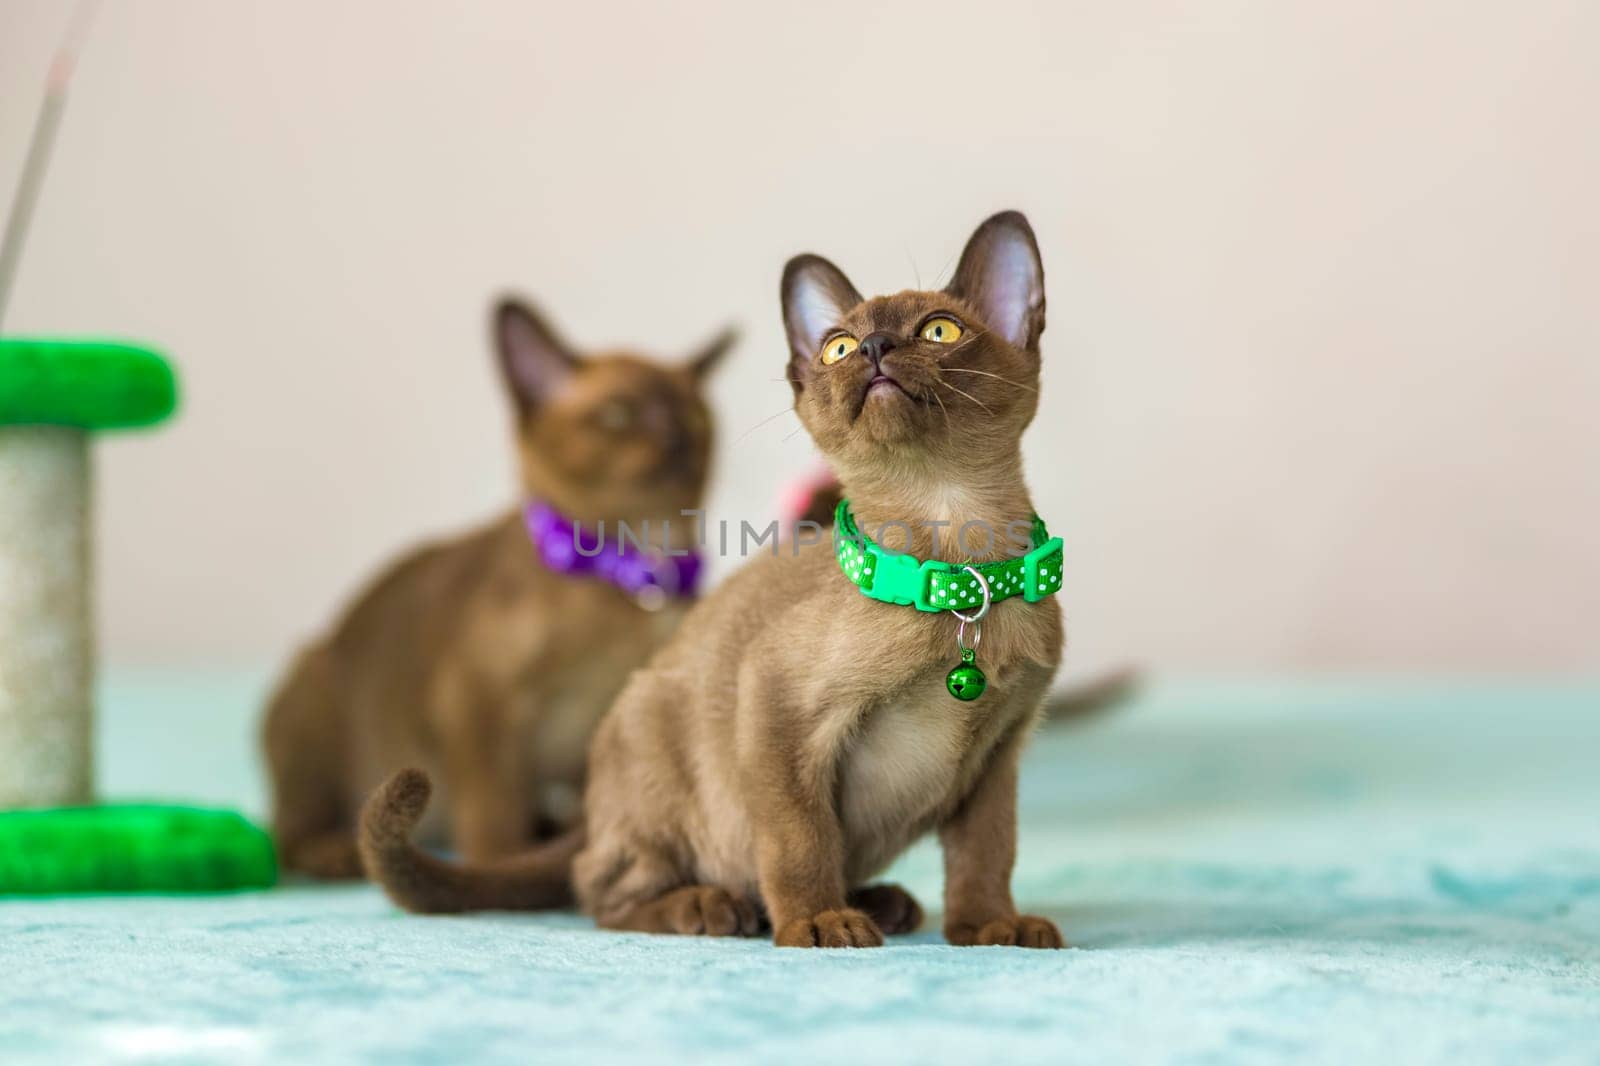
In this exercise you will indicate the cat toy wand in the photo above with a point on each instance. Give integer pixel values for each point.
(43, 140)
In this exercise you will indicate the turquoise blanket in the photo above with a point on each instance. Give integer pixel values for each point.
(1254, 872)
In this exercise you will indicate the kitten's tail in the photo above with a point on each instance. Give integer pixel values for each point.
(1094, 696)
(537, 879)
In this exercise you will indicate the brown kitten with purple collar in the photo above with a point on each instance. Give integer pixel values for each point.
(805, 725)
(489, 658)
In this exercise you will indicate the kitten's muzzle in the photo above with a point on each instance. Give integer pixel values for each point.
(877, 345)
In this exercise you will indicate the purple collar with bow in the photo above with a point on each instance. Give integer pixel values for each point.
(649, 577)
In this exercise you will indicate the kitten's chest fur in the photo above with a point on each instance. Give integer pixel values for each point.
(479, 630)
(572, 688)
(915, 756)
(558, 649)
(898, 773)
(904, 762)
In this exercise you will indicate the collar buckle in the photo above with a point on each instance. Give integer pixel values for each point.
(1042, 570)
(896, 577)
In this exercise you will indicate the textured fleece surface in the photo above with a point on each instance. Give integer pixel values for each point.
(1251, 873)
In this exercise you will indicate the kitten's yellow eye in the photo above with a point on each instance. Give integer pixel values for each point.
(838, 347)
(941, 331)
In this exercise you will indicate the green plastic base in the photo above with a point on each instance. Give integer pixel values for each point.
(131, 848)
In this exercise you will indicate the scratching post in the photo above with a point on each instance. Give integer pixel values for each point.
(53, 395)
(46, 654)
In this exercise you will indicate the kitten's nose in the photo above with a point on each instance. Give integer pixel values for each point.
(877, 345)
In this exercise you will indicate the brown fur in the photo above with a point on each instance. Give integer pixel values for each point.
(795, 736)
(468, 657)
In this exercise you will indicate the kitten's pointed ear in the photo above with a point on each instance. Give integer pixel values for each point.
(816, 295)
(1001, 275)
(535, 362)
(706, 359)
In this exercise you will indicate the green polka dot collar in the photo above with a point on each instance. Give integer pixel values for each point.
(933, 585)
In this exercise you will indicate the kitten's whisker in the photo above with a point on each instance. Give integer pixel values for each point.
(763, 422)
(942, 408)
(965, 393)
(985, 373)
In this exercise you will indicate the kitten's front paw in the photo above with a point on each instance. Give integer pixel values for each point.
(894, 909)
(1023, 931)
(844, 928)
(707, 910)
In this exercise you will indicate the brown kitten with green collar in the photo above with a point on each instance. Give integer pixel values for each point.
(795, 736)
(472, 656)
